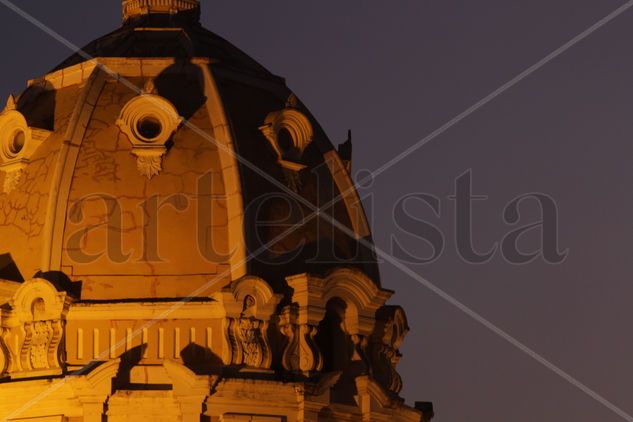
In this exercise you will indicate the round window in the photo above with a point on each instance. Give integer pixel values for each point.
(149, 128)
(17, 141)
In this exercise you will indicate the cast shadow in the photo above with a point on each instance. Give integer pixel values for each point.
(201, 360)
(62, 282)
(37, 104)
(9, 270)
(185, 93)
(129, 360)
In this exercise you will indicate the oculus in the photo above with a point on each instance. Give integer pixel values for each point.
(149, 121)
(18, 143)
(289, 132)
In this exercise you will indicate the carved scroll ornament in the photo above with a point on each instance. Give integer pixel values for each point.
(391, 330)
(32, 331)
(249, 305)
(249, 341)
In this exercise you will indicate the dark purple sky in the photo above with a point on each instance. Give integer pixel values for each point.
(394, 72)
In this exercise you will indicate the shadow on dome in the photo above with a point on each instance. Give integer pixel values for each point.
(186, 94)
(9, 270)
(37, 103)
(62, 282)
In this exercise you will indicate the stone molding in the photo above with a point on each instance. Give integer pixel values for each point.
(350, 198)
(230, 172)
(52, 244)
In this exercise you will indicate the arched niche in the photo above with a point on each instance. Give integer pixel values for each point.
(331, 315)
(333, 338)
(361, 295)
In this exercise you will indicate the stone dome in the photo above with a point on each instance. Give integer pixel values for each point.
(158, 259)
(160, 157)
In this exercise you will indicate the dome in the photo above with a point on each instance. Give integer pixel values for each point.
(160, 258)
(161, 157)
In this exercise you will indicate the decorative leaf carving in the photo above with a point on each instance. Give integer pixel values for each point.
(12, 179)
(150, 165)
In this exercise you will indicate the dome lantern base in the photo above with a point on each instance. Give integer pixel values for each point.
(137, 8)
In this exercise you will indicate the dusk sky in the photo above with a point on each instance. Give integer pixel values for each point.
(395, 71)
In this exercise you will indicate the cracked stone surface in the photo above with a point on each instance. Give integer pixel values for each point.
(23, 210)
(109, 196)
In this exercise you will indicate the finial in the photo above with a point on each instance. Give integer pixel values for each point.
(150, 87)
(10, 103)
(135, 8)
(292, 101)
